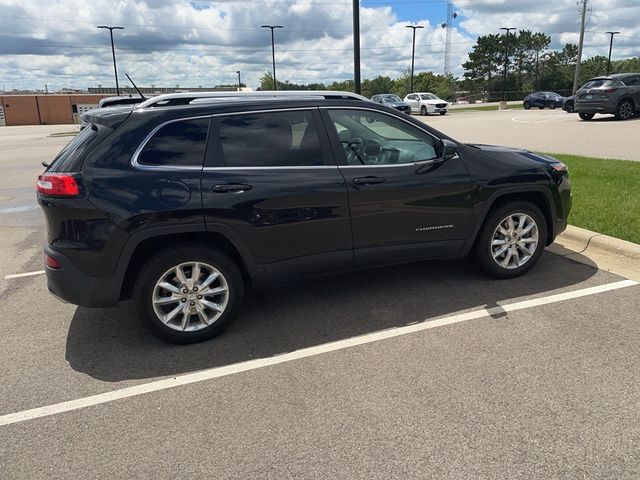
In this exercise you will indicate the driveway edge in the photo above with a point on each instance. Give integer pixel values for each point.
(599, 250)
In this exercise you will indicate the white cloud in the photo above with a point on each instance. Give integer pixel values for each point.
(204, 43)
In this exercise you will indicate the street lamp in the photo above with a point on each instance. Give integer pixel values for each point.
(413, 51)
(610, 47)
(506, 61)
(113, 53)
(239, 82)
(273, 52)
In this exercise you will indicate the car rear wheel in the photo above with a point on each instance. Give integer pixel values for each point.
(526, 105)
(423, 111)
(586, 116)
(552, 105)
(625, 110)
(188, 294)
(569, 107)
(511, 240)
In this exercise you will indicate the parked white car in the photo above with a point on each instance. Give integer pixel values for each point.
(425, 103)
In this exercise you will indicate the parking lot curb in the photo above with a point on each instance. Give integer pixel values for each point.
(596, 249)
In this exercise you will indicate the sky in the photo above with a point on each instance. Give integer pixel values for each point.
(203, 43)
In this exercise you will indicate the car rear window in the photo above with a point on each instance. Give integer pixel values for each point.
(180, 143)
(72, 155)
(275, 139)
(598, 83)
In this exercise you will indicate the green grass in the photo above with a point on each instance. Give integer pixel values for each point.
(606, 195)
(485, 108)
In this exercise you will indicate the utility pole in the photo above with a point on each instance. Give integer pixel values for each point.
(239, 82)
(576, 76)
(506, 61)
(413, 52)
(273, 53)
(113, 53)
(610, 47)
(356, 46)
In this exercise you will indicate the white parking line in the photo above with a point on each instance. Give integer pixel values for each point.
(20, 275)
(218, 372)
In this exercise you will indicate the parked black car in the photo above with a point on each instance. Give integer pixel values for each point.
(616, 94)
(183, 203)
(542, 100)
(569, 104)
(393, 101)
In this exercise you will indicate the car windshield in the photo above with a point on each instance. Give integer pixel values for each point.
(428, 96)
(598, 82)
(391, 98)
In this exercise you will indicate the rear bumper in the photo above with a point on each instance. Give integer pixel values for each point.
(71, 285)
(594, 107)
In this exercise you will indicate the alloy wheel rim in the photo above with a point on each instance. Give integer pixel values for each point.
(625, 110)
(514, 241)
(190, 296)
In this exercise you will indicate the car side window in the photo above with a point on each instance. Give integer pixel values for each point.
(632, 81)
(274, 139)
(374, 138)
(181, 144)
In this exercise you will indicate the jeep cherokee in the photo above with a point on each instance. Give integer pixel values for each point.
(186, 200)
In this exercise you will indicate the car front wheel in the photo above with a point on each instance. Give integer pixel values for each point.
(511, 240)
(526, 105)
(552, 105)
(188, 294)
(569, 107)
(423, 111)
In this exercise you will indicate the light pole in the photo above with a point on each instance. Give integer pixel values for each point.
(239, 82)
(113, 53)
(610, 47)
(273, 52)
(413, 52)
(506, 61)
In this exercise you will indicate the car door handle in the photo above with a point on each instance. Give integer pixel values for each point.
(231, 188)
(367, 180)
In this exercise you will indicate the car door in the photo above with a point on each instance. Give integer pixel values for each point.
(414, 102)
(633, 87)
(272, 178)
(405, 201)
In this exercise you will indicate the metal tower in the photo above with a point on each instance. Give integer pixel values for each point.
(447, 25)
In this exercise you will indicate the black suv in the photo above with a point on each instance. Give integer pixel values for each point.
(185, 201)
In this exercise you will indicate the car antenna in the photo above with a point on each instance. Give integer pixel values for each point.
(135, 86)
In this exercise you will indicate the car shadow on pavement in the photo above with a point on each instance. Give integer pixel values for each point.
(109, 344)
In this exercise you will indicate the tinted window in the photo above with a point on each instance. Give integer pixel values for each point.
(632, 81)
(72, 156)
(180, 143)
(598, 83)
(279, 139)
(372, 138)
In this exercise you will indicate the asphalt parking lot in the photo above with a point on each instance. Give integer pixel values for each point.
(428, 370)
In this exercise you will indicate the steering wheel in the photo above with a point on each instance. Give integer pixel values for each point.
(354, 150)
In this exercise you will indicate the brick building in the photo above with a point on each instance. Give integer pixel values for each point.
(45, 109)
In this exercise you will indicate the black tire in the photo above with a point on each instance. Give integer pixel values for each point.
(155, 268)
(423, 111)
(552, 105)
(569, 107)
(526, 105)
(624, 110)
(586, 116)
(483, 250)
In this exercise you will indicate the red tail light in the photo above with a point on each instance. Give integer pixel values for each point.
(58, 184)
(52, 262)
(609, 90)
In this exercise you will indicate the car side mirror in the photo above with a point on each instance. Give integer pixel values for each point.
(449, 149)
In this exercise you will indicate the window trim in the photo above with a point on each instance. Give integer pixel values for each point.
(388, 165)
(174, 168)
(138, 151)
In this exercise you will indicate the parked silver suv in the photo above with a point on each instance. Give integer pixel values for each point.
(617, 94)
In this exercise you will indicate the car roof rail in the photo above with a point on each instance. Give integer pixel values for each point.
(186, 98)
